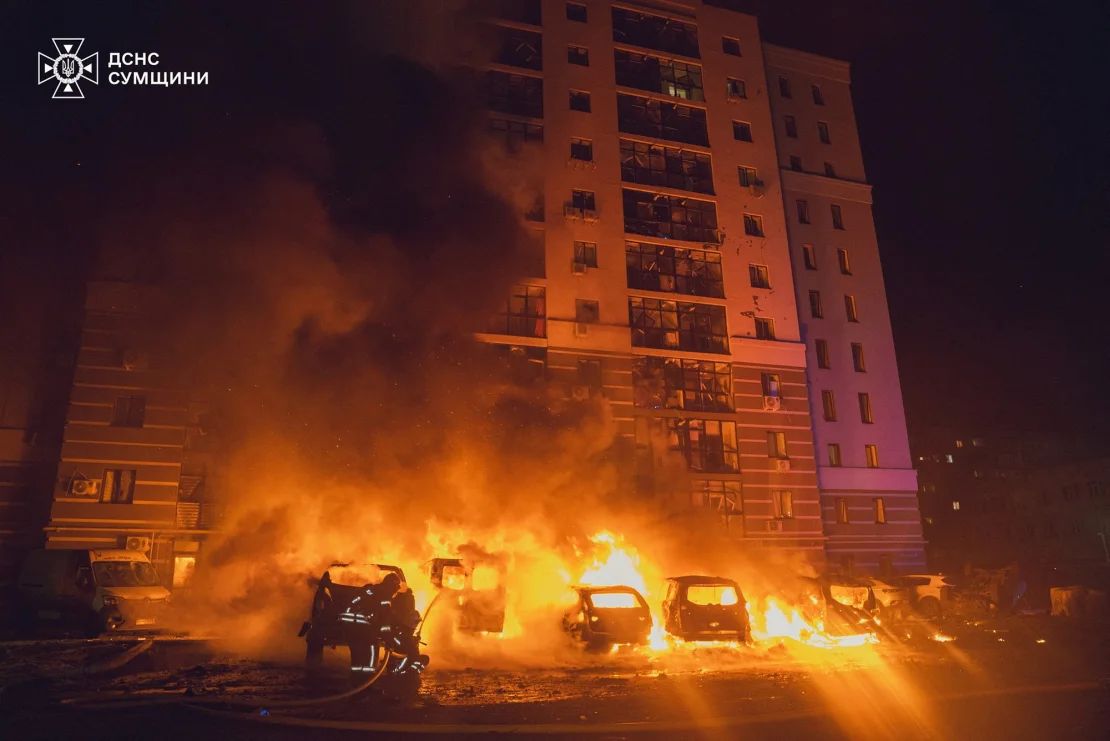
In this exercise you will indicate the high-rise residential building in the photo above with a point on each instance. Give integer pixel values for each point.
(711, 267)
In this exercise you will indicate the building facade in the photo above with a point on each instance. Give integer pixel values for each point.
(711, 267)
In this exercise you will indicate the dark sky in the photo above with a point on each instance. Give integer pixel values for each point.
(984, 129)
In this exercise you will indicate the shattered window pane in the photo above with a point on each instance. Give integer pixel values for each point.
(677, 325)
(679, 383)
(652, 164)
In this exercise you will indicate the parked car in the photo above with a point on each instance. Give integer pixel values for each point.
(474, 590)
(892, 597)
(705, 608)
(339, 584)
(91, 591)
(605, 616)
(931, 592)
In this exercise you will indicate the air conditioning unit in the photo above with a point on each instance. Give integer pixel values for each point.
(578, 268)
(772, 403)
(572, 212)
(774, 526)
(581, 329)
(782, 464)
(134, 543)
(579, 392)
(589, 215)
(82, 487)
(133, 360)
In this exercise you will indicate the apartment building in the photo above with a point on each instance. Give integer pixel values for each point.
(711, 267)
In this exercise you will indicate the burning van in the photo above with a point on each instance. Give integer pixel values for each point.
(705, 608)
(474, 590)
(602, 617)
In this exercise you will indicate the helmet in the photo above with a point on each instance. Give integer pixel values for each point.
(390, 584)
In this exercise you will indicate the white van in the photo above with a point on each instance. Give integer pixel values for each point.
(92, 591)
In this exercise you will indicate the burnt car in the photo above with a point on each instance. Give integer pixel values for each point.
(339, 584)
(602, 617)
(705, 608)
(474, 590)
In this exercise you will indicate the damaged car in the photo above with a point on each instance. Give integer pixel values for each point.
(602, 617)
(474, 590)
(339, 584)
(705, 608)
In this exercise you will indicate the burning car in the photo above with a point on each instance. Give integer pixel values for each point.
(705, 608)
(475, 590)
(339, 584)
(602, 617)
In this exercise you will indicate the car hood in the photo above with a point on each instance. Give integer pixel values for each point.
(136, 593)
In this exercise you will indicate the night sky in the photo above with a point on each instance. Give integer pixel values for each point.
(983, 127)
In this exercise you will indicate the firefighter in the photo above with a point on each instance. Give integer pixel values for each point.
(385, 615)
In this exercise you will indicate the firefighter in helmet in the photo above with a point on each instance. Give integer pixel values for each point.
(384, 614)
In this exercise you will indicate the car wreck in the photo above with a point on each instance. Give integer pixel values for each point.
(335, 589)
(474, 590)
(705, 608)
(602, 617)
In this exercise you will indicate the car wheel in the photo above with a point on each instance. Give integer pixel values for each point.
(929, 607)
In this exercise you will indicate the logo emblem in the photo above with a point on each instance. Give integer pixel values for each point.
(68, 68)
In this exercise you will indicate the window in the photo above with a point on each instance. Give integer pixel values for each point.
(576, 12)
(579, 55)
(735, 88)
(828, 405)
(782, 503)
(516, 94)
(708, 445)
(955, 505)
(823, 132)
(583, 199)
(129, 411)
(657, 75)
(662, 120)
(520, 48)
(776, 445)
(673, 217)
(730, 46)
(850, 308)
(865, 415)
(842, 258)
(834, 455)
(580, 101)
(818, 97)
(742, 131)
(585, 253)
(857, 358)
(748, 176)
(655, 164)
(586, 311)
(842, 510)
(791, 126)
(723, 497)
(809, 256)
(830, 172)
(524, 11)
(795, 163)
(536, 212)
(764, 328)
(880, 511)
(677, 325)
(803, 212)
(582, 149)
(674, 383)
(821, 348)
(589, 374)
(183, 569)
(784, 87)
(515, 133)
(837, 217)
(118, 486)
(772, 386)
(656, 267)
(753, 225)
(524, 314)
(815, 308)
(655, 32)
(759, 276)
(871, 453)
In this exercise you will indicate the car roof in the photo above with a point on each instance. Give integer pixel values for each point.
(688, 579)
(612, 588)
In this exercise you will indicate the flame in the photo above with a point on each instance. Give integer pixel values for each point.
(778, 622)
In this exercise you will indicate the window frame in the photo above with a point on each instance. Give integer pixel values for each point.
(828, 405)
(821, 351)
(578, 55)
(859, 360)
(585, 253)
(725, 46)
(834, 455)
(585, 12)
(759, 275)
(866, 413)
(580, 95)
(742, 131)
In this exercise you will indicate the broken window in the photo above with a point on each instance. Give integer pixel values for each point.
(759, 276)
(524, 314)
(579, 55)
(735, 88)
(536, 211)
(653, 164)
(515, 133)
(583, 200)
(648, 117)
(656, 75)
(579, 101)
(656, 267)
(582, 149)
(520, 95)
(655, 32)
(677, 325)
(782, 504)
(723, 497)
(753, 225)
(673, 217)
(585, 254)
(708, 445)
(129, 411)
(679, 383)
(771, 385)
(520, 48)
(118, 486)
